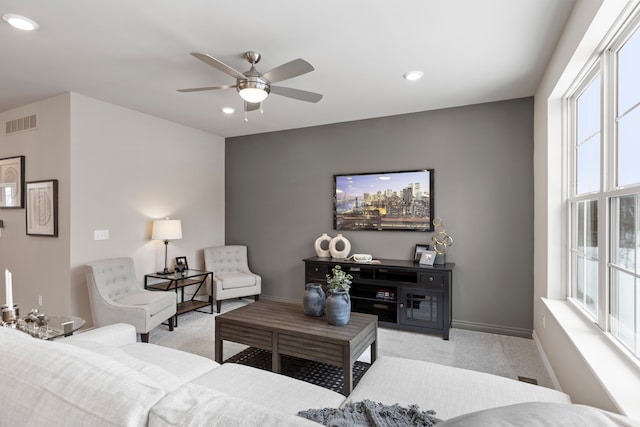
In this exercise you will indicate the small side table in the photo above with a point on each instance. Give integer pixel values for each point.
(56, 327)
(64, 326)
(178, 281)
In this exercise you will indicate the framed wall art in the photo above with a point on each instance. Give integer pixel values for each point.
(12, 182)
(42, 208)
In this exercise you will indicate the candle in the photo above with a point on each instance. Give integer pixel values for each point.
(8, 289)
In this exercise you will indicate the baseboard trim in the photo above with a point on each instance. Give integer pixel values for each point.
(492, 329)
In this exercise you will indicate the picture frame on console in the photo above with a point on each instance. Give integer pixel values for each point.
(428, 258)
(417, 252)
(384, 201)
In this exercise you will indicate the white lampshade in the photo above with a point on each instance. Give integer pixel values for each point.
(167, 229)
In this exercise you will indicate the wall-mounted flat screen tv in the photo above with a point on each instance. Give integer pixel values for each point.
(400, 200)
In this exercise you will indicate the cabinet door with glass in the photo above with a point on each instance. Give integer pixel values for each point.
(422, 307)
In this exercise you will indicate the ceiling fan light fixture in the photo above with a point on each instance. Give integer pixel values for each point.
(253, 89)
(20, 22)
(253, 95)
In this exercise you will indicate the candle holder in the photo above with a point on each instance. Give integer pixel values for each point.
(10, 315)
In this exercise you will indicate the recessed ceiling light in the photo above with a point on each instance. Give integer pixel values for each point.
(228, 110)
(413, 75)
(20, 22)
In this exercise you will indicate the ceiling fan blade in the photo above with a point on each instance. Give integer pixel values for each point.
(302, 95)
(200, 89)
(251, 106)
(286, 71)
(208, 59)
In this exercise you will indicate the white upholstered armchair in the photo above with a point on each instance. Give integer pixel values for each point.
(116, 297)
(231, 275)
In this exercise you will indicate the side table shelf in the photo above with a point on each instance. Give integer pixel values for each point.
(178, 281)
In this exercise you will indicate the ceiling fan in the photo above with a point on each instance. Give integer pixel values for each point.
(253, 86)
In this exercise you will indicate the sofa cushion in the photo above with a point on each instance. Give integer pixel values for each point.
(447, 390)
(154, 301)
(55, 384)
(186, 366)
(193, 405)
(268, 389)
(151, 369)
(541, 414)
(235, 280)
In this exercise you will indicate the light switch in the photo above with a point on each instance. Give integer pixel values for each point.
(101, 235)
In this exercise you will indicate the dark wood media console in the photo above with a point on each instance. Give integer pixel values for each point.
(403, 294)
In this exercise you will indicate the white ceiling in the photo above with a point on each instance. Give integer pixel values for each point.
(136, 53)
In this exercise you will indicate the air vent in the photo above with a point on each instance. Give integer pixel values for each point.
(21, 125)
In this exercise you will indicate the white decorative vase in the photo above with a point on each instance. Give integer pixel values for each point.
(322, 253)
(335, 253)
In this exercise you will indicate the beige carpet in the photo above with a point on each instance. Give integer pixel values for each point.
(502, 355)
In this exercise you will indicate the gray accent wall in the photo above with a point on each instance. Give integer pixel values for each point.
(279, 200)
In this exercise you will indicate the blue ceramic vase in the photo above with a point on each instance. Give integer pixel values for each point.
(313, 300)
(338, 307)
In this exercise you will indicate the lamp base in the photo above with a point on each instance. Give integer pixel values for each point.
(164, 273)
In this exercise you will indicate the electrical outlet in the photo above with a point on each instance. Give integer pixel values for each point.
(39, 300)
(101, 235)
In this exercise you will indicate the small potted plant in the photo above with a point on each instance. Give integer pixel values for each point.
(338, 305)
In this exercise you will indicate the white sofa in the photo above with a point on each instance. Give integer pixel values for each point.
(104, 377)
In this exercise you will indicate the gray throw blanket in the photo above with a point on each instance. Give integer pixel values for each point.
(368, 413)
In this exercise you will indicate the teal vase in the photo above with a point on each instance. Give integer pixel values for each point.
(338, 307)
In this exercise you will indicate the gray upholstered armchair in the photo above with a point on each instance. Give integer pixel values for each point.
(231, 275)
(116, 297)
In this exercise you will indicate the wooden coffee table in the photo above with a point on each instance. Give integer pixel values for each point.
(283, 328)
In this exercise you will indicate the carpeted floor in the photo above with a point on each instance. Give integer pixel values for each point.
(510, 357)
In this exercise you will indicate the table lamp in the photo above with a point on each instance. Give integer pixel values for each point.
(166, 229)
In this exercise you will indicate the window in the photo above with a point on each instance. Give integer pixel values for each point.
(604, 191)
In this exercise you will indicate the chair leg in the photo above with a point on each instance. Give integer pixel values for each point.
(256, 297)
(171, 323)
(144, 337)
(218, 305)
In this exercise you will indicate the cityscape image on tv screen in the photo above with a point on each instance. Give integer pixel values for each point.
(384, 201)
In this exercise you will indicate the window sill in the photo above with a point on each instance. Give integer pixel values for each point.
(617, 371)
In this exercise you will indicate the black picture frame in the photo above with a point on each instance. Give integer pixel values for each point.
(417, 252)
(384, 201)
(181, 263)
(42, 208)
(12, 182)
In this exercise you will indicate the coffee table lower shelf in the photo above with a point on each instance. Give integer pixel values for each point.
(321, 374)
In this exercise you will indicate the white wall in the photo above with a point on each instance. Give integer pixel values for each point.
(587, 27)
(129, 168)
(40, 265)
(118, 170)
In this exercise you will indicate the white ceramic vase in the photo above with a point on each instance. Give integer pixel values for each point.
(322, 253)
(335, 253)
